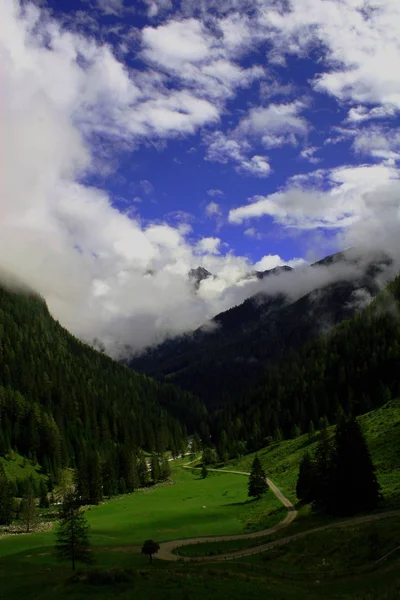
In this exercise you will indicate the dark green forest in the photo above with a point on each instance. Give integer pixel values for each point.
(63, 403)
(353, 369)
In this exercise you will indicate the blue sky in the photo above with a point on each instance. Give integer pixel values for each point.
(155, 136)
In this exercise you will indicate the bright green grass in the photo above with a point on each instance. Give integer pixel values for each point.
(382, 430)
(17, 467)
(169, 512)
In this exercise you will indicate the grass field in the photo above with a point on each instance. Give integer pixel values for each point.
(169, 512)
(295, 571)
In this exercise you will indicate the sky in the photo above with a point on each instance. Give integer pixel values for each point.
(141, 139)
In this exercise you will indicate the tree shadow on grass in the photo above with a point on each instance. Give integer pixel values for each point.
(244, 503)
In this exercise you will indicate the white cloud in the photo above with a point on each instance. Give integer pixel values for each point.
(361, 44)
(147, 187)
(378, 143)
(224, 149)
(275, 125)
(257, 166)
(208, 245)
(155, 7)
(358, 114)
(270, 261)
(308, 154)
(213, 209)
(339, 199)
(110, 7)
(215, 193)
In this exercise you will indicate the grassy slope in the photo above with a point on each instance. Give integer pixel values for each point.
(17, 467)
(382, 430)
(281, 461)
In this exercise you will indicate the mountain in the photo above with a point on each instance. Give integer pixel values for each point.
(198, 275)
(353, 368)
(61, 399)
(221, 359)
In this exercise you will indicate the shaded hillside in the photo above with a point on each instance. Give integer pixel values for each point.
(353, 368)
(223, 359)
(60, 399)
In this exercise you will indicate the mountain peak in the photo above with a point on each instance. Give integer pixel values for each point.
(198, 275)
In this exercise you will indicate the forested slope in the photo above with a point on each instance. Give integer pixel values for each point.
(356, 366)
(60, 399)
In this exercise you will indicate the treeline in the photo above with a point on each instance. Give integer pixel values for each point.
(354, 368)
(61, 401)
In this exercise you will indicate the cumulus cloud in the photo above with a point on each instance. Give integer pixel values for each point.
(270, 261)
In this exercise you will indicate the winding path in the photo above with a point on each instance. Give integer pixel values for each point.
(166, 551)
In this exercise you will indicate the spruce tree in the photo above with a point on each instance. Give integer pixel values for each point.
(354, 485)
(73, 533)
(28, 505)
(257, 480)
(323, 471)
(305, 487)
(155, 468)
(6, 498)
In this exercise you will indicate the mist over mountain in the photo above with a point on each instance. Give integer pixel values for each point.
(231, 351)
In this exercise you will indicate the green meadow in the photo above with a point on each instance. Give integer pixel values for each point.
(167, 512)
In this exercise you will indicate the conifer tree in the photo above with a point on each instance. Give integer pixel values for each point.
(257, 480)
(354, 485)
(28, 506)
(43, 495)
(155, 467)
(305, 487)
(6, 498)
(73, 533)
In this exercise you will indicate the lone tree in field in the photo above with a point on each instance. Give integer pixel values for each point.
(73, 533)
(150, 547)
(257, 480)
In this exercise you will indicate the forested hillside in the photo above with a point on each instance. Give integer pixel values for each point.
(223, 360)
(60, 400)
(355, 367)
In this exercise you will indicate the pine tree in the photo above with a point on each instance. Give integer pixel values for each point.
(73, 533)
(28, 506)
(165, 469)
(142, 470)
(6, 498)
(323, 471)
(43, 495)
(354, 484)
(155, 467)
(257, 480)
(305, 487)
